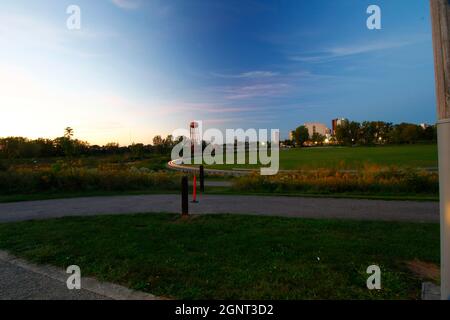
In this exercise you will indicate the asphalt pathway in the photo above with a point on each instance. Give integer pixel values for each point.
(231, 204)
(19, 284)
(22, 280)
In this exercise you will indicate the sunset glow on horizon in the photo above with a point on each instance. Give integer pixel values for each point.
(137, 69)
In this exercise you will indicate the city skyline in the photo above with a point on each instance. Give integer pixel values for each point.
(137, 69)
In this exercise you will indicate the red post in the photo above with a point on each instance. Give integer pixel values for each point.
(195, 190)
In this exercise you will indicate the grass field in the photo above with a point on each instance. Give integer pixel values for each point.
(233, 257)
(28, 179)
(421, 156)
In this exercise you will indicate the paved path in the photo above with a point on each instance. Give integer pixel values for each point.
(175, 165)
(212, 204)
(17, 283)
(217, 183)
(21, 280)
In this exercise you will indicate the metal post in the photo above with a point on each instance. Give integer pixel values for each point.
(440, 18)
(184, 196)
(202, 178)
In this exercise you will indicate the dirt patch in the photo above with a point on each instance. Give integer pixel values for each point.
(424, 270)
(185, 219)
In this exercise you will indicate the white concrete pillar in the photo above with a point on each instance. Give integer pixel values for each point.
(444, 191)
(440, 21)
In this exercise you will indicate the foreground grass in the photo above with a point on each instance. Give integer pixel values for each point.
(414, 156)
(232, 257)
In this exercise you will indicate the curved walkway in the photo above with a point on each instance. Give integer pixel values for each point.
(177, 166)
(232, 204)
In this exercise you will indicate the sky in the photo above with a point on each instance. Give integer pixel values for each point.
(139, 68)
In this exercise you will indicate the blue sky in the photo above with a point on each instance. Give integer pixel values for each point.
(138, 68)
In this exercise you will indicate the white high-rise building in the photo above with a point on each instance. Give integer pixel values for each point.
(316, 127)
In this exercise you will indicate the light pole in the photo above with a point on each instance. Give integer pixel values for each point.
(440, 18)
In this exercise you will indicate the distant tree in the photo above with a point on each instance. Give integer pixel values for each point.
(429, 134)
(168, 142)
(410, 133)
(368, 132)
(65, 142)
(382, 131)
(348, 133)
(112, 147)
(341, 132)
(318, 138)
(405, 133)
(80, 147)
(301, 135)
(354, 131)
(157, 141)
(64, 146)
(162, 145)
(288, 142)
(11, 147)
(137, 150)
(46, 147)
(68, 133)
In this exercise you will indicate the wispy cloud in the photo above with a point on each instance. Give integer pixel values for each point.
(335, 53)
(217, 108)
(241, 121)
(202, 108)
(219, 121)
(247, 75)
(255, 91)
(127, 4)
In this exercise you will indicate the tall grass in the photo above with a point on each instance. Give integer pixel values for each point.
(74, 179)
(370, 179)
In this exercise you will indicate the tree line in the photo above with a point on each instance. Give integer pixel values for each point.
(67, 146)
(370, 133)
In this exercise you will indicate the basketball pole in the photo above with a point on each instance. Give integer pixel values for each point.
(440, 20)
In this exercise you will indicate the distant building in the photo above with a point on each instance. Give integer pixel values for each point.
(316, 127)
(335, 123)
(424, 125)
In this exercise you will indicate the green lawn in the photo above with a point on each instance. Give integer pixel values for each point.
(423, 156)
(233, 257)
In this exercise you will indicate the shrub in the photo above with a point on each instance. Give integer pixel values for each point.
(60, 178)
(367, 180)
(4, 165)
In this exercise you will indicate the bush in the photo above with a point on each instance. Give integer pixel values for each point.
(323, 181)
(62, 179)
(4, 165)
